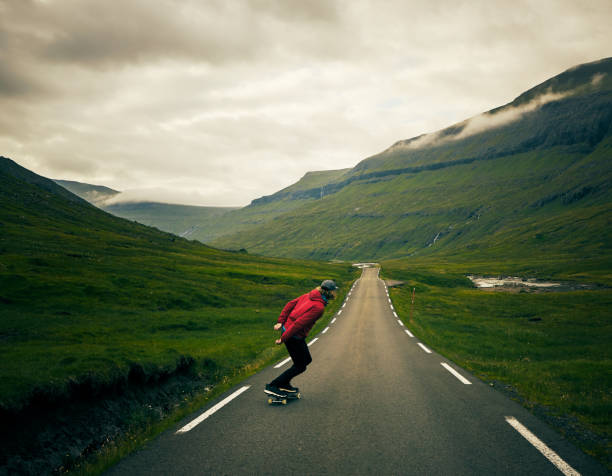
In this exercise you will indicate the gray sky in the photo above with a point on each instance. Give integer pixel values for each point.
(218, 102)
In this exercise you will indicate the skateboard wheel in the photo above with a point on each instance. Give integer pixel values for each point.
(270, 401)
(299, 395)
(284, 401)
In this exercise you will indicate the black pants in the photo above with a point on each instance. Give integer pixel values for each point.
(298, 350)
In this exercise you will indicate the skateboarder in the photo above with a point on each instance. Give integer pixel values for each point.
(296, 319)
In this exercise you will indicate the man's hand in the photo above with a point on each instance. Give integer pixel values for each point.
(278, 342)
(277, 326)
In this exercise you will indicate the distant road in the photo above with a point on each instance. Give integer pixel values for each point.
(375, 401)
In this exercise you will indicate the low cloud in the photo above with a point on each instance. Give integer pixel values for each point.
(506, 115)
(597, 78)
(481, 123)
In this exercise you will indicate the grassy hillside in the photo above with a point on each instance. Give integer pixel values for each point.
(95, 194)
(208, 223)
(87, 299)
(265, 209)
(181, 220)
(538, 185)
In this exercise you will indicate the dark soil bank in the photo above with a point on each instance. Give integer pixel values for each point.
(53, 437)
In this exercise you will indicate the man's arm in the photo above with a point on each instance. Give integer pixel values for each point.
(286, 311)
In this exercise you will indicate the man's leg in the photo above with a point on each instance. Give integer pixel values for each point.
(298, 350)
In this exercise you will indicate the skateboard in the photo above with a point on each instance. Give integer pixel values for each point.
(282, 399)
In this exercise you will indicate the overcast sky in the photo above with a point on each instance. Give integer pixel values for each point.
(218, 102)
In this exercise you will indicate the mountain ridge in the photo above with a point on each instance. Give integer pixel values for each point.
(546, 148)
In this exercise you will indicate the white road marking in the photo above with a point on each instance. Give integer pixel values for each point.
(400, 322)
(339, 312)
(408, 332)
(395, 314)
(325, 330)
(280, 364)
(461, 378)
(313, 341)
(553, 457)
(210, 411)
(333, 320)
(343, 305)
(424, 348)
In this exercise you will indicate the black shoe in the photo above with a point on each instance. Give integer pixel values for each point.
(288, 389)
(272, 390)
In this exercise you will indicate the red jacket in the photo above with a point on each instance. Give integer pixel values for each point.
(299, 315)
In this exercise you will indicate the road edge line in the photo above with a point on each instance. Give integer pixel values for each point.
(190, 426)
(542, 447)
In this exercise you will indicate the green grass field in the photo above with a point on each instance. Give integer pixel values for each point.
(552, 349)
(88, 300)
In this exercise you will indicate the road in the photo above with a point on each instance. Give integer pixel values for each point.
(375, 401)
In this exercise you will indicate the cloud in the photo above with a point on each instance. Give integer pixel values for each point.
(229, 100)
(480, 123)
(597, 78)
(492, 120)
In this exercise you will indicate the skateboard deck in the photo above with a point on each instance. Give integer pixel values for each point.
(282, 399)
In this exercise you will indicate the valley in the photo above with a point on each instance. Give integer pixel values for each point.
(145, 324)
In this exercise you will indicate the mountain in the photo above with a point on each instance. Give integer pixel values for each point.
(528, 178)
(101, 317)
(309, 188)
(83, 293)
(182, 220)
(95, 194)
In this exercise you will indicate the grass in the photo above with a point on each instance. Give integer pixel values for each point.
(67, 319)
(552, 349)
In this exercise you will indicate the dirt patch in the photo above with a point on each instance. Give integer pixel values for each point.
(50, 438)
(392, 283)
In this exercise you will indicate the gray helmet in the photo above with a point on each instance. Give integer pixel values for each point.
(328, 285)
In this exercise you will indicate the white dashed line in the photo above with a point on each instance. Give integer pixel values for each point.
(461, 378)
(400, 322)
(280, 364)
(313, 341)
(553, 457)
(339, 312)
(209, 412)
(408, 332)
(325, 330)
(395, 314)
(333, 320)
(424, 348)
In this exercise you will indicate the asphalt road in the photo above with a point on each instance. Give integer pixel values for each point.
(374, 401)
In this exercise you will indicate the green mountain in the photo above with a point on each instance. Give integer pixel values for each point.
(182, 220)
(95, 194)
(108, 327)
(86, 297)
(308, 189)
(531, 178)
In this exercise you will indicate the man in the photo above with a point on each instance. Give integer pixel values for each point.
(296, 320)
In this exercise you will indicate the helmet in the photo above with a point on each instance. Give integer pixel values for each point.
(328, 285)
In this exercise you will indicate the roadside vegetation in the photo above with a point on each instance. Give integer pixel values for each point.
(550, 351)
